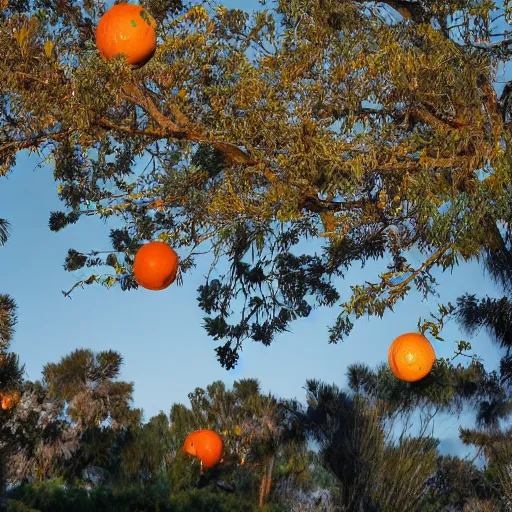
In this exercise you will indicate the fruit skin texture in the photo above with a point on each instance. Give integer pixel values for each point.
(206, 445)
(155, 266)
(128, 29)
(411, 357)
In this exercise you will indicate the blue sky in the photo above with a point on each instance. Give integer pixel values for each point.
(166, 350)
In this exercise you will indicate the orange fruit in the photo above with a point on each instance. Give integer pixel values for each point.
(411, 357)
(8, 400)
(206, 445)
(155, 266)
(127, 29)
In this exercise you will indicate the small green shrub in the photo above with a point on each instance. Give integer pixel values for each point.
(19, 506)
(205, 500)
(53, 496)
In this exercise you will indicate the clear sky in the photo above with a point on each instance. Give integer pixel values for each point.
(166, 350)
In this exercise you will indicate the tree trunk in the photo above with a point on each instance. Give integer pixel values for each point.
(266, 481)
(263, 487)
(269, 476)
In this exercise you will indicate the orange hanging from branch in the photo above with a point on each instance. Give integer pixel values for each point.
(205, 445)
(127, 29)
(155, 266)
(411, 357)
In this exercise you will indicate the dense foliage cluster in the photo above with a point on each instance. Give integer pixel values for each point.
(288, 144)
(367, 129)
(74, 441)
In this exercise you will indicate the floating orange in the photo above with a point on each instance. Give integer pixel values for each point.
(411, 357)
(127, 29)
(206, 445)
(155, 266)
(8, 400)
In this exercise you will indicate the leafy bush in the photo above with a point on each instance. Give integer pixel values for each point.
(18, 506)
(205, 500)
(53, 496)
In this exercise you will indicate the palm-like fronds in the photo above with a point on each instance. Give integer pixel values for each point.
(373, 472)
(4, 231)
(498, 259)
(447, 388)
(490, 412)
(11, 372)
(362, 379)
(86, 382)
(496, 445)
(8, 320)
(495, 315)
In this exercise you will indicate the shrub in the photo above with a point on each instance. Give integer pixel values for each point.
(54, 496)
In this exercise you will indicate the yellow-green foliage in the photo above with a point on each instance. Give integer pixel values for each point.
(376, 127)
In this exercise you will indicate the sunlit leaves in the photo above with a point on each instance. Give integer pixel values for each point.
(160, 10)
(365, 125)
(48, 48)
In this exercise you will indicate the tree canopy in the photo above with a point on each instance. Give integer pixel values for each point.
(62, 454)
(372, 128)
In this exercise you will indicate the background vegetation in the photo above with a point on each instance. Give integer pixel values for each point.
(373, 126)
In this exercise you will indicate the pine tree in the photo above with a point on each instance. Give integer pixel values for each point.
(492, 435)
(494, 315)
(256, 437)
(375, 129)
(448, 388)
(374, 470)
(74, 423)
(99, 408)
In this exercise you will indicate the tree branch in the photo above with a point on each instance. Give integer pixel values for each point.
(232, 153)
(409, 10)
(314, 204)
(425, 266)
(18, 145)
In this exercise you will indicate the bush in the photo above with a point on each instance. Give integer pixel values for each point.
(54, 496)
(205, 500)
(18, 506)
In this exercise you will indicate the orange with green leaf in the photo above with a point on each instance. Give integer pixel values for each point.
(129, 30)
